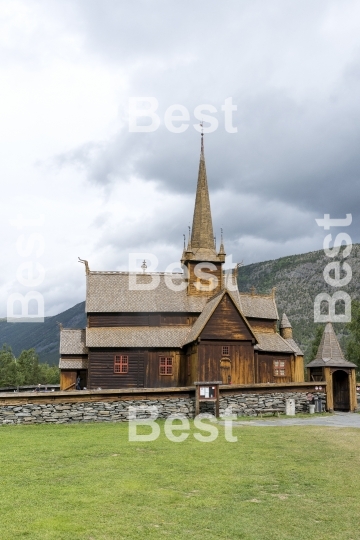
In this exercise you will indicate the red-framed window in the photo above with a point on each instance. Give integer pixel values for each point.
(225, 350)
(279, 368)
(121, 364)
(166, 365)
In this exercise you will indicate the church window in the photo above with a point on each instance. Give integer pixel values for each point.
(279, 368)
(121, 364)
(225, 350)
(166, 365)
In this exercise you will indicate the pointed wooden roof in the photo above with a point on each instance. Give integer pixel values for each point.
(329, 352)
(285, 323)
(202, 235)
(202, 245)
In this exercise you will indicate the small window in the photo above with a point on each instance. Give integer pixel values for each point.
(225, 351)
(121, 364)
(166, 365)
(279, 368)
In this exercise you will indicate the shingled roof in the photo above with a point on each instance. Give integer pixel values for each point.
(73, 363)
(259, 306)
(72, 341)
(137, 336)
(272, 343)
(295, 346)
(114, 292)
(329, 352)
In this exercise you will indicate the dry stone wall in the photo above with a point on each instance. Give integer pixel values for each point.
(118, 411)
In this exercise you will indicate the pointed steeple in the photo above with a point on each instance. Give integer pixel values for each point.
(202, 235)
(201, 249)
(285, 327)
(329, 348)
(285, 323)
(329, 352)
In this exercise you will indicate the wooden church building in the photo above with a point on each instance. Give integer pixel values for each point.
(179, 328)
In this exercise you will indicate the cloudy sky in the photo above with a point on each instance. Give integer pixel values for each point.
(96, 190)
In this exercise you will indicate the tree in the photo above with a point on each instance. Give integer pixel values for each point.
(353, 344)
(8, 373)
(316, 342)
(26, 369)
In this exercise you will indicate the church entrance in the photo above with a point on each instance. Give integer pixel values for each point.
(225, 370)
(341, 390)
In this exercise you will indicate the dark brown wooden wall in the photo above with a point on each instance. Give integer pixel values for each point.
(144, 369)
(140, 319)
(101, 369)
(226, 323)
(153, 379)
(212, 365)
(265, 367)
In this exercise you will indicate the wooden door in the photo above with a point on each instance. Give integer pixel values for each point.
(225, 370)
(68, 380)
(341, 390)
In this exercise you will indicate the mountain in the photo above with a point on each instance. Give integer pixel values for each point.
(297, 278)
(44, 337)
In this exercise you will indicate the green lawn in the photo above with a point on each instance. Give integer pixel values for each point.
(89, 482)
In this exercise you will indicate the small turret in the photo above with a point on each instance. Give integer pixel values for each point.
(285, 328)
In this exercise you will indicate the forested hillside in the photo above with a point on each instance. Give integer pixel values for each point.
(298, 279)
(44, 337)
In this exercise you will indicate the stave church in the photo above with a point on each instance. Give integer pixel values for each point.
(159, 330)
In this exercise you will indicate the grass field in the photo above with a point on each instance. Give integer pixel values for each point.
(87, 481)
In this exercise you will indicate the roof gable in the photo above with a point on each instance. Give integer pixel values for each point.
(221, 318)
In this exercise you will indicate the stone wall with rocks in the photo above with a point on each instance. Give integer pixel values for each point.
(248, 404)
(241, 404)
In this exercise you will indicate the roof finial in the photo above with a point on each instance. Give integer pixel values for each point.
(222, 249)
(202, 138)
(144, 266)
(87, 268)
(236, 269)
(184, 240)
(189, 239)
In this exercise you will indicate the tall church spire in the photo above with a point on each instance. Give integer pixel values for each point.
(201, 248)
(202, 235)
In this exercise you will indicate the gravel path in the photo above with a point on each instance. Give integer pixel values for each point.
(347, 420)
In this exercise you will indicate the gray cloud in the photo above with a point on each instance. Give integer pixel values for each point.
(292, 69)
